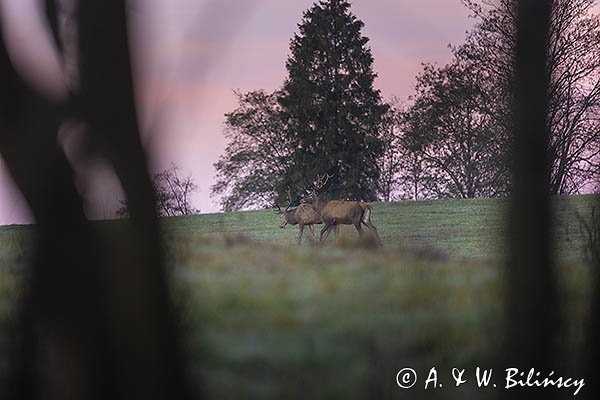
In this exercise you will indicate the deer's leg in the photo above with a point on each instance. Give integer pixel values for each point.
(336, 231)
(312, 232)
(370, 225)
(359, 229)
(301, 232)
(325, 231)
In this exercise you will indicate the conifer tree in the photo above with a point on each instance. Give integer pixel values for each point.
(332, 110)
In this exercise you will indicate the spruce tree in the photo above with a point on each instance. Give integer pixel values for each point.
(331, 107)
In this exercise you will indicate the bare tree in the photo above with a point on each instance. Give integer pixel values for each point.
(573, 64)
(172, 193)
(391, 159)
(417, 182)
(404, 173)
(457, 150)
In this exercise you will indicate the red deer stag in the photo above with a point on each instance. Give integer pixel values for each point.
(303, 215)
(340, 212)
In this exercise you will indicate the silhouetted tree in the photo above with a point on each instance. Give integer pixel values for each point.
(257, 154)
(451, 136)
(403, 172)
(573, 62)
(416, 181)
(392, 159)
(331, 108)
(172, 194)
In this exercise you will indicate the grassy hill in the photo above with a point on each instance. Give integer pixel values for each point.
(266, 318)
(454, 227)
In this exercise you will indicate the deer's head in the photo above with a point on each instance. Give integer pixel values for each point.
(312, 191)
(284, 215)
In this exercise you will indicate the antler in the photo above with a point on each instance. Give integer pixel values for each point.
(318, 184)
(276, 207)
(322, 181)
(289, 204)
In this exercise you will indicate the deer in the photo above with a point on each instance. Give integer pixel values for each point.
(303, 215)
(340, 212)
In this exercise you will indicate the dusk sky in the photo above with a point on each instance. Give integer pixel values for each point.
(190, 55)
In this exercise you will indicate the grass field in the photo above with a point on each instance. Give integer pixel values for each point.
(266, 318)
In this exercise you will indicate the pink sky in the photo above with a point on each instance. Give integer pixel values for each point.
(192, 54)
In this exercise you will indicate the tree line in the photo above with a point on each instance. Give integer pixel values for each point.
(450, 138)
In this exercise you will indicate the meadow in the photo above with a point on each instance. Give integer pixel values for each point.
(265, 318)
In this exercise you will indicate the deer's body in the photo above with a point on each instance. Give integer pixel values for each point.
(342, 212)
(303, 215)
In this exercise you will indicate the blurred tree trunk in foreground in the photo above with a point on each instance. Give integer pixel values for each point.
(531, 303)
(96, 319)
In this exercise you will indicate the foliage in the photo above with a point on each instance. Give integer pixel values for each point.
(391, 161)
(172, 194)
(403, 173)
(453, 140)
(257, 154)
(456, 148)
(416, 181)
(333, 111)
(573, 63)
(459, 126)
